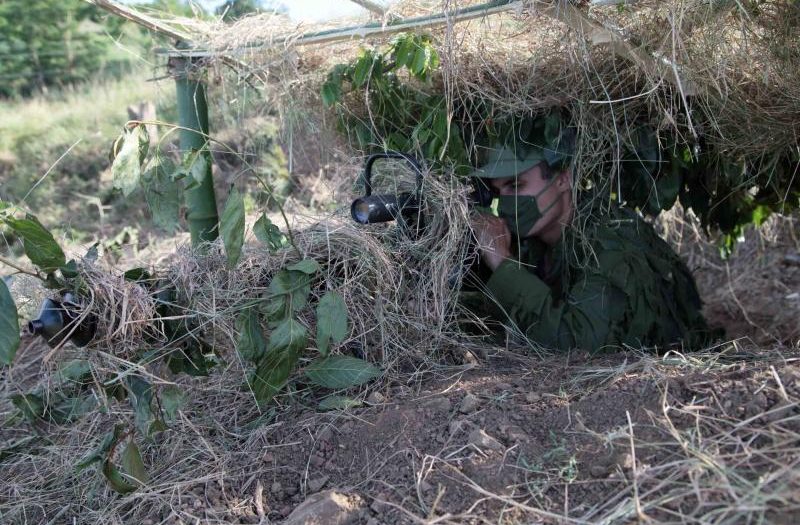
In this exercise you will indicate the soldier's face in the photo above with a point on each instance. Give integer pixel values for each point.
(552, 197)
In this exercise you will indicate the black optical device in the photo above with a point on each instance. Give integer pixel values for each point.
(386, 207)
(402, 206)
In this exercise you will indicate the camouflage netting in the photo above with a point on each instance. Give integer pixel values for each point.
(690, 98)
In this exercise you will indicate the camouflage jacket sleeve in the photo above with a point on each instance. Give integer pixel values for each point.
(587, 316)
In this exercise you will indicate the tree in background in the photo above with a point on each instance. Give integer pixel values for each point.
(50, 43)
(56, 43)
(236, 9)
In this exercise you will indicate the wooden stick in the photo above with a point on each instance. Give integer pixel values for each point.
(139, 18)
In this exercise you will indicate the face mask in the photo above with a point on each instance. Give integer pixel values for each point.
(521, 212)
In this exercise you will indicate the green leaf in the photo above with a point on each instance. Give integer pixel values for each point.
(9, 326)
(141, 400)
(275, 308)
(231, 226)
(127, 166)
(32, 406)
(289, 334)
(137, 275)
(293, 286)
(339, 403)
(75, 371)
(67, 409)
(16, 447)
(115, 478)
(331, 93)
(172, 399)
(362, 68)
(340, 371)
(251, 345)
(404, 50)
(307, 266)
(39, 244)
(190, 359)
(102, 449)
(331, 321)
(195, 164)
(70, 270)
(268, 233)
(91, 253)
(161, 193)
(132, 464)
(272, 374)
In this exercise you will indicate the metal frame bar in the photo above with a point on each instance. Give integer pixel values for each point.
(371, 6)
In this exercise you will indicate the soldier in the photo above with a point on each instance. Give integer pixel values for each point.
(569, 276)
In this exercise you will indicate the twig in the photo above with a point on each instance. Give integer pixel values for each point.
(19, 268)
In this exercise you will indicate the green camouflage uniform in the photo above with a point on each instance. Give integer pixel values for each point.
(613, 283)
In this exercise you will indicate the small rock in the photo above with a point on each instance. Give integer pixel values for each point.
(792, 258)
(326, 434)
(378, 506)
(373, 521)
(599, 471)
(625, 460)
(514, 433)
(484, 441)
(291, 490)
(438, 403)
(533, 397)
(424, 486)
(456, 426)
(778, 412)
(314, 485)
(328, 507)
(503, 387)
(316, 461)
(268, 457)
(376, 398)
(469, 404)
(276, 487)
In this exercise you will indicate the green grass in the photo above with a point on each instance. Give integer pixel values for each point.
(78, 124)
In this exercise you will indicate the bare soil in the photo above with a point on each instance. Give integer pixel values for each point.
(710, 437)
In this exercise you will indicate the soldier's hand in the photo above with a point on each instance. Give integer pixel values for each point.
(494, 239)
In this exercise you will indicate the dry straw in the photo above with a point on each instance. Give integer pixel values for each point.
(720, 74)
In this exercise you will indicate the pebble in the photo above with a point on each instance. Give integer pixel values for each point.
(326, 434)
(599, 471)
(276, 487)
(316, 461)
(314, 485)
(456, 425)
(469, 404)
(484, 441)
(376, 398)
(438, 403)
(533, 397)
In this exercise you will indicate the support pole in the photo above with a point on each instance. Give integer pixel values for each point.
(201, 203)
